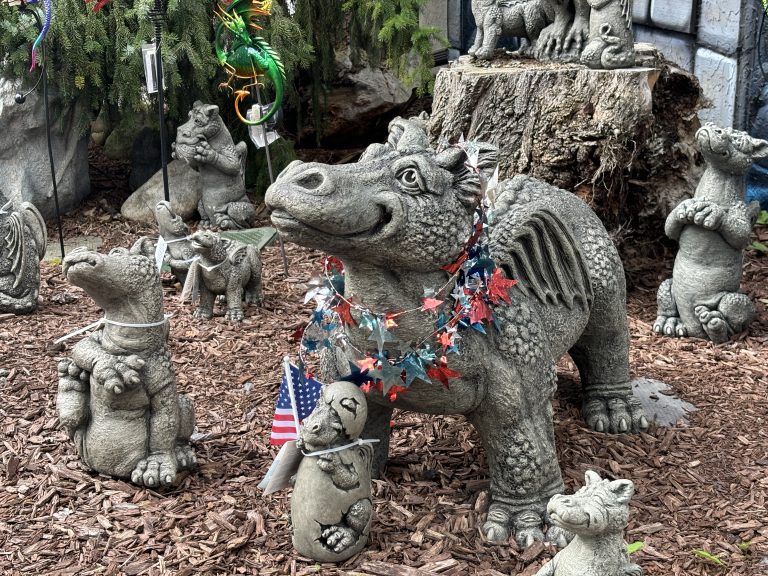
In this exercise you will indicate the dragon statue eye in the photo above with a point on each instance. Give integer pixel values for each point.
(410, 179)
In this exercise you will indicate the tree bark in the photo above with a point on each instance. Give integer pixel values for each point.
(623, 140)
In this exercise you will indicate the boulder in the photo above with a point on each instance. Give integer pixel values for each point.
(184, 184)
(361, 99)
(25, 173)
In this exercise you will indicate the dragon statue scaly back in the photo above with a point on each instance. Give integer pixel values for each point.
(244, 54)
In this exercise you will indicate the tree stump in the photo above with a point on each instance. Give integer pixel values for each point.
(623, 140)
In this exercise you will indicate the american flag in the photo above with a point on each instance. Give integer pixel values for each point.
(306, 391)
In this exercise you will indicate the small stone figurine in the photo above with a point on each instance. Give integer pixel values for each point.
(597, 515)
(175, 233)
(206, 145)
(224, 267)
(117, 396)
(611, 41)
(702, 298)
(23, 240)
(331, 506)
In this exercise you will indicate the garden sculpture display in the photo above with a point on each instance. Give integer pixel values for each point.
(175, 244)
(331, 506)
(223, 267)
(597, 515)
(117, 395)
(402, 214)
(702, 298)
(599, 32)
(23, 241)
(247, 56)
(207, 146)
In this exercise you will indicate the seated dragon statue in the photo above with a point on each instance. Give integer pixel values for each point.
(117, 395)
(23, 241)
(396, 219)
(206, 145)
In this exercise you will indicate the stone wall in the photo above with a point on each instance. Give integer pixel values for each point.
(714, 39)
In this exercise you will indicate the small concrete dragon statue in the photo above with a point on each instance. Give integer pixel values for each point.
(23, 240)
(597, 515)
(117, 396)
(224, 267)
(331, 506)
(206, 145)
(596, 32)
(702, 298)
(175, 234)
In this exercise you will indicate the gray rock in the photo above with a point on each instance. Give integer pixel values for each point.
(145, 157)
(224, 267)
(360, 99)
(23, 240)
(206, 145)
(713, 228)
(331, 508)
(596, 516)
(25, 172)
(117, 395)
(184, 185)
(405, 211)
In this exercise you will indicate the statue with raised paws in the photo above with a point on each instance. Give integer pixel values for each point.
(206, 145)
(331, 507)
(117, 396)
(595, 517)
(713, 228)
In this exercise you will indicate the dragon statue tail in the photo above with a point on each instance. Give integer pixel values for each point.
(271, 66)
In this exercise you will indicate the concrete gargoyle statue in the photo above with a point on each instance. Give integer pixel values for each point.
(401, 214)
(117, 396)
(713, 228)
(23, 241)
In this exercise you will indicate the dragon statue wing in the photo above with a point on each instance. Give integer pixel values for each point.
(27, 220)
(542, 255)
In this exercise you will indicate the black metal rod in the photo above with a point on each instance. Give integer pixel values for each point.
(157, 18)
(271, 172)
(44, 66)
(46, 106)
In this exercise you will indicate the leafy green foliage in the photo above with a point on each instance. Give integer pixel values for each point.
(762, 218)
(759, 247)
(392, 27)
(635, 547)
(96, 58)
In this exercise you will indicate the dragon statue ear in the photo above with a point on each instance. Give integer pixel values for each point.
(468, 183)
(211, 110)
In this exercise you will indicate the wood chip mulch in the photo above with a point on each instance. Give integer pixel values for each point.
(699, 509)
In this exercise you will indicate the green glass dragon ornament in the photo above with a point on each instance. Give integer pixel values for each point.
(245, 55)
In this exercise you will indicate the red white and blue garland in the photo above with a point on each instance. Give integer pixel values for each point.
(476, 284)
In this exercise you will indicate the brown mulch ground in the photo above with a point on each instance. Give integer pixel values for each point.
(701, 487)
